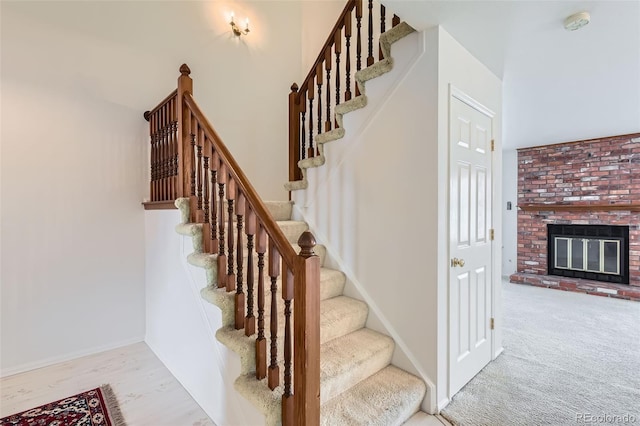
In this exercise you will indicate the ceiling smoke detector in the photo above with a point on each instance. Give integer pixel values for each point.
(577, 21)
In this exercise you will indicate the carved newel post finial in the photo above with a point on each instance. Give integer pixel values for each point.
(307, 242)
(294, 88)
(185, 70)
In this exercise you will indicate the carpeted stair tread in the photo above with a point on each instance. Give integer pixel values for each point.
(388, 398)
(341, 315)
(280, 210)
(347, 360)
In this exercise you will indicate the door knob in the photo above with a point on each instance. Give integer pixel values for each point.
(457, 262)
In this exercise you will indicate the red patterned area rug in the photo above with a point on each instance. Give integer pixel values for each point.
(96, 407)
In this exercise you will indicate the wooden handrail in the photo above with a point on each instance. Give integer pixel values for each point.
(218, 190)
(273, 230)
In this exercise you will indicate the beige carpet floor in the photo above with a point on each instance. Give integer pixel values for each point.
(568, 358)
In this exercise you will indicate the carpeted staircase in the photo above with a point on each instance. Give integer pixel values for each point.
(359, 386)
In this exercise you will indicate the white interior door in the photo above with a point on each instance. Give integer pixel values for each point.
(470, 249)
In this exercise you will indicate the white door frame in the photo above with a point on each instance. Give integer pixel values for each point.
(455, 92)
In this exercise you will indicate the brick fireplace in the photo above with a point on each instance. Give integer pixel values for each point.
(591, 182)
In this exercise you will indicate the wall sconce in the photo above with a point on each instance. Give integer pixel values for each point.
(236, 29)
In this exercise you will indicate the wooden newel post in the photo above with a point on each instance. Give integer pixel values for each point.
(185, 157)
(306, 314)
(294, 133)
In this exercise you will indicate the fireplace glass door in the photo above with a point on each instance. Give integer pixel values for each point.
(594, 252)
(593, 255)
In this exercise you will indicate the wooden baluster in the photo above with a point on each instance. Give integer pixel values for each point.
(370, 58)
(161, 163)
(159, 155)
(193, 200)
(222, 259)
(200, 215)
(215, 161)
(261, 342)
(294, 133)
(338, 51)
(287, 396)
(327, 65)
(306, 323)
(274, 272)
(383, 12)
(319, 81)
(250, 230)
(206, 226)
(358, 40)
(310, 91)
(231, 194)
(239, 298)
(174, 150)
(165, 155)
(303, 112)
(395, 21)
(153, 132)
(347, 36)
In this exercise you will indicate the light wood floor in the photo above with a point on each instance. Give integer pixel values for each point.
(147, 392)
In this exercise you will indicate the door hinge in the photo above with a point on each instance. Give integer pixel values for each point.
(492, 234)
(493, 324)
(493, 145)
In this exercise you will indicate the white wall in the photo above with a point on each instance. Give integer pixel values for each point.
(76, 77)
(72, 226)
(380, 203)
(129, 53)
(509, 217)
(318, 18)
(181, 326)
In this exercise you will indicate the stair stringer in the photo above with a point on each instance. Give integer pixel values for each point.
(361, 77)
(402, 356)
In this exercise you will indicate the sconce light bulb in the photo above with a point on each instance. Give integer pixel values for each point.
(246, 24)
(231, 17)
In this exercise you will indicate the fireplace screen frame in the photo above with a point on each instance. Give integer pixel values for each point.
(604, 234)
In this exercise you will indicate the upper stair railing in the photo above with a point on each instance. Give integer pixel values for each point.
(310, 112)
(189, 159)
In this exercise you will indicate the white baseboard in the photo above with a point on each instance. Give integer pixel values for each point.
(22, 368)
(443, 403)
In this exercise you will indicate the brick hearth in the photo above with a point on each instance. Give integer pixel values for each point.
(585, 182)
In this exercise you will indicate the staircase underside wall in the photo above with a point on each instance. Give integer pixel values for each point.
(181, 326)
(372, 204)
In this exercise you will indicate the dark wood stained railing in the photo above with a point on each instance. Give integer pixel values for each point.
(305, 121)
(188, 158)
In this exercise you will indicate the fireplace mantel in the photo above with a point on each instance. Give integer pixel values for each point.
(633, 207)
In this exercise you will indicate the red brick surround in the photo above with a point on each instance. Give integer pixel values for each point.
(591, 173)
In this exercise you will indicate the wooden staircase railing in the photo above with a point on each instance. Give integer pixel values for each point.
(307, 119)
(188, 158)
